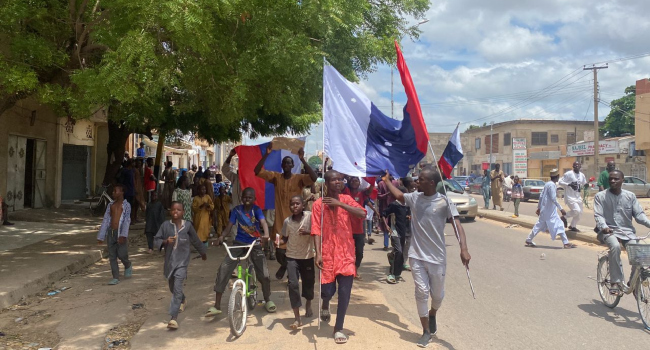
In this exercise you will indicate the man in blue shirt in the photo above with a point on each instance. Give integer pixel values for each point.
(249, 219)
(140, 151)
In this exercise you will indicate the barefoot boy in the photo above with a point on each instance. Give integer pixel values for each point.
(249, 219)
(429, 213)
(335, 254)
(296, 234)
(115, 225)
(176, 235)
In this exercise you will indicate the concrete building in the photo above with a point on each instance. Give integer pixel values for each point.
(642, 119)
(49, 159)
(527, 147)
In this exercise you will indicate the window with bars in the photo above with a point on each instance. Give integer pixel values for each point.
(507, 139)
(494, 146)
(555, 139)
(570, 138)
(539, 139)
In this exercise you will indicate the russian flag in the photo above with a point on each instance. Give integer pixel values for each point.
(363, 141)
(452, 155)
(249, 156)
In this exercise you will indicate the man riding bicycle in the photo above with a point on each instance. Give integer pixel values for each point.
(613, 211)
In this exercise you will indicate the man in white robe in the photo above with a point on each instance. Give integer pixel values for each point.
(547, 210)
(573, 181)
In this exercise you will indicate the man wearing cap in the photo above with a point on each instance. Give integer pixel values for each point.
(573, 181)
(547, 210)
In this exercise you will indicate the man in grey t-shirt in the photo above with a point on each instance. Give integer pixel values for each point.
(427, 255)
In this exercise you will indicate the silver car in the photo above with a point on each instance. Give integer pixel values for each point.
(466, 204)
(637, 186)
(532, 189)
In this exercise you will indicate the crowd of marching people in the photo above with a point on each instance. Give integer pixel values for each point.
(321, 223)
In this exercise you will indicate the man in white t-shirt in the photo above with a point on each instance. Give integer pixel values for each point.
(507, 185)
(430, 211)
(573, 182)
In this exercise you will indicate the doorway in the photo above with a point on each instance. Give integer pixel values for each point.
(25, 173)
(74, 173)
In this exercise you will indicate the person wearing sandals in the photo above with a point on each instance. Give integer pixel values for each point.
(397, 215)
(296, 234)
(573, 182)
(517, 194)
(249, 219)
(115, 229)
(176, 236)
(613, 210)
(335, 254)
(547, 211)
(363, 198)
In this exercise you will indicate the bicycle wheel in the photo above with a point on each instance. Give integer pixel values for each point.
(604, 284)
(252, 286)
(643, 298)
(237, 309)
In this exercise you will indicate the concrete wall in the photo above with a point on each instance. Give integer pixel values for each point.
(16, 121)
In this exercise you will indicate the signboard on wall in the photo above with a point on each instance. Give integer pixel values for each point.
(588, 135)
(519, 143)
(587, 148)
(520, 163)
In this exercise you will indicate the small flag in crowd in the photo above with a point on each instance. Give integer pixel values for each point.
(249, 156)
(360, 139)
(452, 155)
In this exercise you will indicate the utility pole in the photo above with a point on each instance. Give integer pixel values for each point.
(595, 69)
(491, 142)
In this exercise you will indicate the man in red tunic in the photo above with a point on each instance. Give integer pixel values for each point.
(335, 254)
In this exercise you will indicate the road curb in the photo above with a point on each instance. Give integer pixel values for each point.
(586, 235)
(86, 258)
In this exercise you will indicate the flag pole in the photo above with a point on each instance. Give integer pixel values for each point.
(453, 220)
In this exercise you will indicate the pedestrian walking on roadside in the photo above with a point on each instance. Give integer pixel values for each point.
(573, 181)
(603, 179)
(115, 230)
(202, 207)
(222, 207)
(496, 186)
(150, 181)
(169, 177)
(430, 212)
(517, 194)
(183, 194)
(335, 254)
(249, 220)
(296, 234)
(485, 188)
(547, 208)
(397, 215)
(155, 216)
(176, 236)
(362, 198)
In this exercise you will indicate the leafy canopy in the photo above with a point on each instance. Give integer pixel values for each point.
(213, 68)
(620, 119)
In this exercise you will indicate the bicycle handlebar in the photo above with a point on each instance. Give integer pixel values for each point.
(250, 248)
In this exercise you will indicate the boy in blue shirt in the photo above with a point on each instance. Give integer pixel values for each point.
(249, 218)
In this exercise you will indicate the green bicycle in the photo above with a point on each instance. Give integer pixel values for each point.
(243, 297)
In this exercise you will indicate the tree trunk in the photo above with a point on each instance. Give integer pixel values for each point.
(117, 136)
(160, 152)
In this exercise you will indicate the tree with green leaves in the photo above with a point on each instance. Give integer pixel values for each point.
(213, 69)
(620, 119)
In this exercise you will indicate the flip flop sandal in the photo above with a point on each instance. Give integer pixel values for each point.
(391, 279)
(182, 308)
(531, 245)
(213, 311)
(113, 282)
(570, 245)
(270, 306)
(172, 324)
(340, 338)
(325, 315)
(295, 325)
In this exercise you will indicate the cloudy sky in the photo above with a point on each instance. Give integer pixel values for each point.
(480, 61)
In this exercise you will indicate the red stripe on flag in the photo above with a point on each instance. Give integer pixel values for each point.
(249, 156)
(445, 167)
(412, 103)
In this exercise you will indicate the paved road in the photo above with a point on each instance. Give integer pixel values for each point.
(586, 219)
(523, 302)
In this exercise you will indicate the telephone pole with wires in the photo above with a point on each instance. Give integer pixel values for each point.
(595, 69)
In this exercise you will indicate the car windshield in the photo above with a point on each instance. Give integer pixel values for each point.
(539, 183)
(454, 186)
